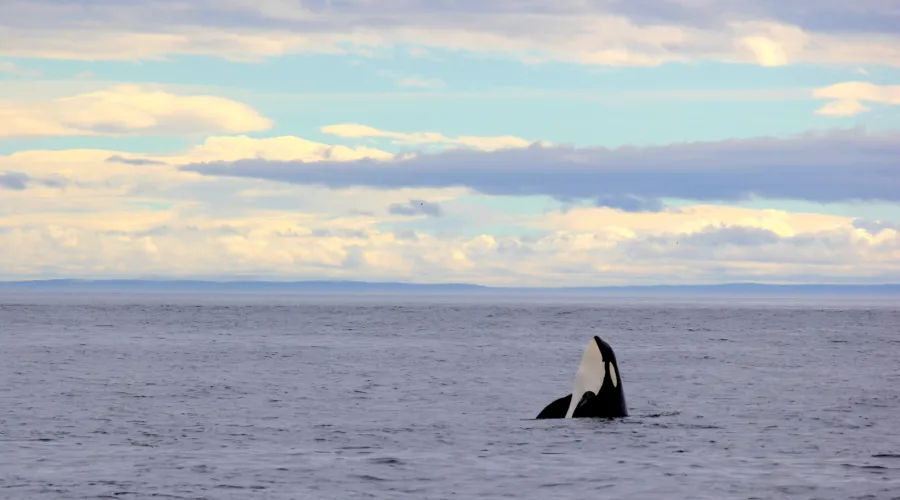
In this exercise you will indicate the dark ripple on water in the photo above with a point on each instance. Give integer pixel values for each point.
(339, 400)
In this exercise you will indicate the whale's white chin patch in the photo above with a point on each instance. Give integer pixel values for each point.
(590, 375)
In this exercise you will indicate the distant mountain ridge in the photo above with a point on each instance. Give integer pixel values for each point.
(367, 286)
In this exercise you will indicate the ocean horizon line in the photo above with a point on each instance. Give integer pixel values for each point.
(232, 284)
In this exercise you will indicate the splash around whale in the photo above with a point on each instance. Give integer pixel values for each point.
(597, 391)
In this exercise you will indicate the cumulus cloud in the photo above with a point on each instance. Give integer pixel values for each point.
(128, 109)
(645, 32)
(129, 220)
(121, 216)
(720, 236)
(285, 247)
(685, 220)
(837, 166)
(416, 207)
(754, 248)
(875, 227)
(357, 131)
(849, 96)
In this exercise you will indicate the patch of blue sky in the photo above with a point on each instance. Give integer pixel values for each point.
(880, 118)
(153, 206)
(558, 102)
(561, 120)
(556, 119)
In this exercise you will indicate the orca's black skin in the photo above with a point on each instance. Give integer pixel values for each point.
(608, 403)
(556, 409)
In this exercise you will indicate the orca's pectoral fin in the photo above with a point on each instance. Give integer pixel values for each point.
(556, 409)
(585, 399)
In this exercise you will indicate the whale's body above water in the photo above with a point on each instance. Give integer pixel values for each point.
(597, 390)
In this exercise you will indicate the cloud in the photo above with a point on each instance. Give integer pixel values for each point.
(637, 32)
(117, 217)
(405, 235)
(755, 251)
(846, 107)
(109, 41)
(126, 110)
(121, 220)
(357, 131)
(719, 236)
(767, 52)
(828, 167)
(339, 233)
(266, 245)
(629, 203)
(13, 180)
(827, 16)
(285, 148)
(97, 185)
(848, 97)
(874, 227)
(86, 167)
(19, 181)
(134, 161)
(416, 207)
(685, 220)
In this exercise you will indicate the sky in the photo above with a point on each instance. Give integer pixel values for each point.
(497, 142)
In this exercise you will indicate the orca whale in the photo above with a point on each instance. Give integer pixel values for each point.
(597, 391)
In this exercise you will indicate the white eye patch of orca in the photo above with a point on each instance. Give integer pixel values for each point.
(612, 374)
(590, 375)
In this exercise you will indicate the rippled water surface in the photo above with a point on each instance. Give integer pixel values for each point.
(298, 397)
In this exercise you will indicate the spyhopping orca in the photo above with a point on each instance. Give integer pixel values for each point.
(598, 387)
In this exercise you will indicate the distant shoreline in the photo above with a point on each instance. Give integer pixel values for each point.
(363, 287)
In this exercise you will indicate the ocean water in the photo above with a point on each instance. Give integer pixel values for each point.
(303, 397)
